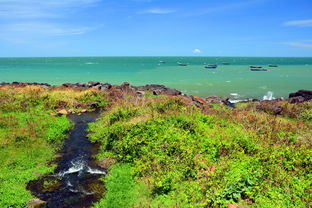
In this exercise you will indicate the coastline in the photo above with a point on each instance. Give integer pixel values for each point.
(157, 89)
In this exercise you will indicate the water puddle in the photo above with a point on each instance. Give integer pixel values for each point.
(75, 183)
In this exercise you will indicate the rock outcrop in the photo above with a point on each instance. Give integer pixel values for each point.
(300, 96)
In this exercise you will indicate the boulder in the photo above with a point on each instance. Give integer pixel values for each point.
(81, 85)
(93, 105)
(298, 99)
(198, 100)
(36, 203)
(92, 84)
(277, 110)
(67, 85)
(300, 96)
(105, 86)
(214, 100)
(140, 93)
(157, 92)
(98, 87)
(62, 112)
(169, 91)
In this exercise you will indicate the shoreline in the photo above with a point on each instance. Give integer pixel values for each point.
(157, 89)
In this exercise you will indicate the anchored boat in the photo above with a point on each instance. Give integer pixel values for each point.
(211, 66)
(181, 64)
(272, 65)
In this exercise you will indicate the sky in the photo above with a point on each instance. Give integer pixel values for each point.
(270, 28)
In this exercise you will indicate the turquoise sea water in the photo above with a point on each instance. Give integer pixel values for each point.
(291, 74)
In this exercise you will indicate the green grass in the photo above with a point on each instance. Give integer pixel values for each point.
(181, 157)
(26, 144)
(120, 188)
(30, 136)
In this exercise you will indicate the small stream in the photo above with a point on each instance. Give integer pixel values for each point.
(75, 183)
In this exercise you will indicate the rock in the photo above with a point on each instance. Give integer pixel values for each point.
(140, 93)
(52, 114)
(92, 84)
(198, 100)
(298, 99)
(92, 105)
(169, 91)
(106, 86)
(83, 110)
(98, 87)
(300, 95)
(106, 163)
(62, 112)
(213, 100)
(80, 85)
(277, 110)
(67, 85)
(226, 101)
(70, 111)
(36, 203)
(157, 92)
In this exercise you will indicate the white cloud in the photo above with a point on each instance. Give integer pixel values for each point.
(158, 11)
(299, 23)
(299, 44)
(24, 20)
(197, 51)
(43, 28)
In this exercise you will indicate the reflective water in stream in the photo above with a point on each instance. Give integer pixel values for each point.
(75, 183)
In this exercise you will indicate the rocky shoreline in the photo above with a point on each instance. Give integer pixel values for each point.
(156, 89)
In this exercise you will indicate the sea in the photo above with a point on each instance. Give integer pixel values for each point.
(233, 80)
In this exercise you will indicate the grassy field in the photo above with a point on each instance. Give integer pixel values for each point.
(30, 135)
(168, 153)
(162, 151)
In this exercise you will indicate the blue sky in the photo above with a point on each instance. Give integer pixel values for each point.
(155, 27)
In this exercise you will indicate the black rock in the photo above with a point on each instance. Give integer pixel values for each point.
(92, 84)
(300, 96)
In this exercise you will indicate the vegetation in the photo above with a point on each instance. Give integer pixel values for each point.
(162, 151)
(183, 157)
(30, 136)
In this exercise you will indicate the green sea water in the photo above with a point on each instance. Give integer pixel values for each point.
(234, 80)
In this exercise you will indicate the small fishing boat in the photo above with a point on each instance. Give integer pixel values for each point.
(162, 62)
(272, 65)
(226, 63)
(258, 69)
(211, 66)
(182, 64)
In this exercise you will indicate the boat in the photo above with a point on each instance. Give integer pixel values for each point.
(211, 66)
(181, 64)
(226, 63)
(272, 65)
(162, 62)
(258, 69)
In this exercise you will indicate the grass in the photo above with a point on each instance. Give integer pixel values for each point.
(183, 157)
(166, 152)
(30, 136)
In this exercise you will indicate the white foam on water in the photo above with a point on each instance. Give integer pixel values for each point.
(228, 81)
(74, 190)
(95, 171)
(77, 166)
(237, 100)
(69, 184)
(86, 192)
(268, 96)
(234, 94)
